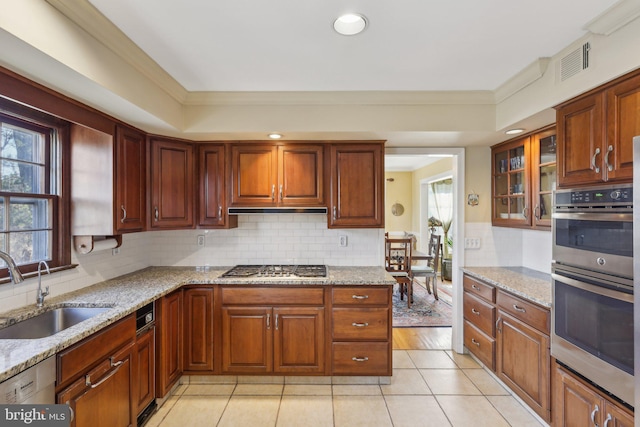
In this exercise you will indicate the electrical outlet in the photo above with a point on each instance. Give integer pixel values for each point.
(115, 251)
(201, 240)
(471, 243)
(342, 241)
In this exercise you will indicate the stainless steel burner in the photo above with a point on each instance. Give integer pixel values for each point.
(277, 271)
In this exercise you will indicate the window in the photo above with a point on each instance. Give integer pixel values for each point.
(32, 221)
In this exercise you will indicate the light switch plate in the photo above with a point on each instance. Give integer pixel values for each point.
(471, 243)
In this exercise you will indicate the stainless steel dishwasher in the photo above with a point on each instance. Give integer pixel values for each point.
(34, 385)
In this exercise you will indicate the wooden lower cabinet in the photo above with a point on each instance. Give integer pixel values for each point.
(578, 404)
(273, 339)
(169, 347)
(145, 369)
(198, 333)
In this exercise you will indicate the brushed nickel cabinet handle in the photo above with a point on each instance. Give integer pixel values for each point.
(473, 341)
(520, 309)
(360, 325)
(606, 422)
(156, 214)
(476, 312)
(606, 160)
(525, 212)
(73, 415)
(593, 415)
(219, 211)
(360, 359)
(498, 324)
(276, 322)
(281, 193)
(87, 378)
(359, 296)
(268, 321)
(124, 214)
(593, 160)
(536, 212)
(335, 213)
(273, 192)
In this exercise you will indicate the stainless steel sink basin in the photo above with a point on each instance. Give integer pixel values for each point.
(50, 322)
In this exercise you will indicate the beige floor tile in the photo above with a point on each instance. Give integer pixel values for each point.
(307, 390)
(257, 379)
(485, 382)
(406, 381)
(209, 390)
(360, 411)
(431, 359)
(418, 411)
(308, 411)
(449, 381)
(162, 412)
(254, 411)
(258, 390)
(401, 360)
(178, 391)
(464, 361)
(195, 411)
(213, 379)
(513, 411)
(307, 380)
(467, 411)
(356, 390)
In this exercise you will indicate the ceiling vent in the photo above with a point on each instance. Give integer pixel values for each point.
(575, 62)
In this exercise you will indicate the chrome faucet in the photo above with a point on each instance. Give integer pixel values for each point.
(41, 295)
(14, 274)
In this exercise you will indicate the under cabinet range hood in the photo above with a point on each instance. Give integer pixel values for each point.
(276, 210)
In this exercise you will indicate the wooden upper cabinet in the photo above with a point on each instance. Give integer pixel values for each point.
(357, 175)
(130, 171)
(212, 204)
(595, 134)
(276, 175)
(172, 184)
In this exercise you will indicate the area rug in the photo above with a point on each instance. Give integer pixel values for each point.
(424, 312)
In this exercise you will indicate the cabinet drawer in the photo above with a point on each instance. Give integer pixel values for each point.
(360, 295)
(361, 358)
(360, 324)
(272, 296)
(478, 288)
(480, 344)
(80, 357)
(480, 313)
(531, 314)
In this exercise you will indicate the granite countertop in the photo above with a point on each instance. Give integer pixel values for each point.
(125, 294)
(529, 284)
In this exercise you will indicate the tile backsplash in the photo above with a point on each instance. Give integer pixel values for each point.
(274, 238)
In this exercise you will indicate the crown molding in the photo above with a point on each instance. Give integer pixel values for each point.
(614, 18)
(524, 78)
(87, 17)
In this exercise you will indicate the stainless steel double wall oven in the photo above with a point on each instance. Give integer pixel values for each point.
(592, 313)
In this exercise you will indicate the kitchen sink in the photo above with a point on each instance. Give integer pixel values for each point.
(50, 322)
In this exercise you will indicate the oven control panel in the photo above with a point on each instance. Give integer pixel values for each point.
(621, 195)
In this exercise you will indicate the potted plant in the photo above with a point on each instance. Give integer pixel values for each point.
(446, 269)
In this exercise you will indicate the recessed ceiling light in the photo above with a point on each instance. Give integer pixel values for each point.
(275, 135)
(350, 24)
(514, 131)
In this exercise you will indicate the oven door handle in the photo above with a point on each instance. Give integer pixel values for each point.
(595, 216)
(610, 293)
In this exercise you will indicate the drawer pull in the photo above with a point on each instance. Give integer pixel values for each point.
(498, 324)
(476, 312)
(473, 341)
(359, 296)
(360, 325)
(520, 309)
(87, 379)
(360, 359)
(475, 287)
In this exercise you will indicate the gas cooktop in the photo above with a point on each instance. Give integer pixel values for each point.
(277, 271)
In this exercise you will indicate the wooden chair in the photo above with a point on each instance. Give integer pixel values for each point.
(430, 269)
(398, 264)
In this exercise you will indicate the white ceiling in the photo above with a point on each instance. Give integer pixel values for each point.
(289, 45)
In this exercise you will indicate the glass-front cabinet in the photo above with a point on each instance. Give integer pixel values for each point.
(524, 177)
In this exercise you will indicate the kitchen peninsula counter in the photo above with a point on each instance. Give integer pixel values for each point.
(527, 283)
(125, 294)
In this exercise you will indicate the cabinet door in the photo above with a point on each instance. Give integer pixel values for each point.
(198, 329)
(511, 183)
(172, 189)
(543, 176)
(169, 346)
(299, 344)
(357, 186)
(247, 340)
(300, 175)
(523, 362)
(615, 416)
(623, 123)
(130, 184)
(104, 398)
(574, 404)
(580, 136)
(145, 369)
(212, 205)
(253, 175)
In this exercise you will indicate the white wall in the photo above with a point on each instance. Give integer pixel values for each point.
(285, 238)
